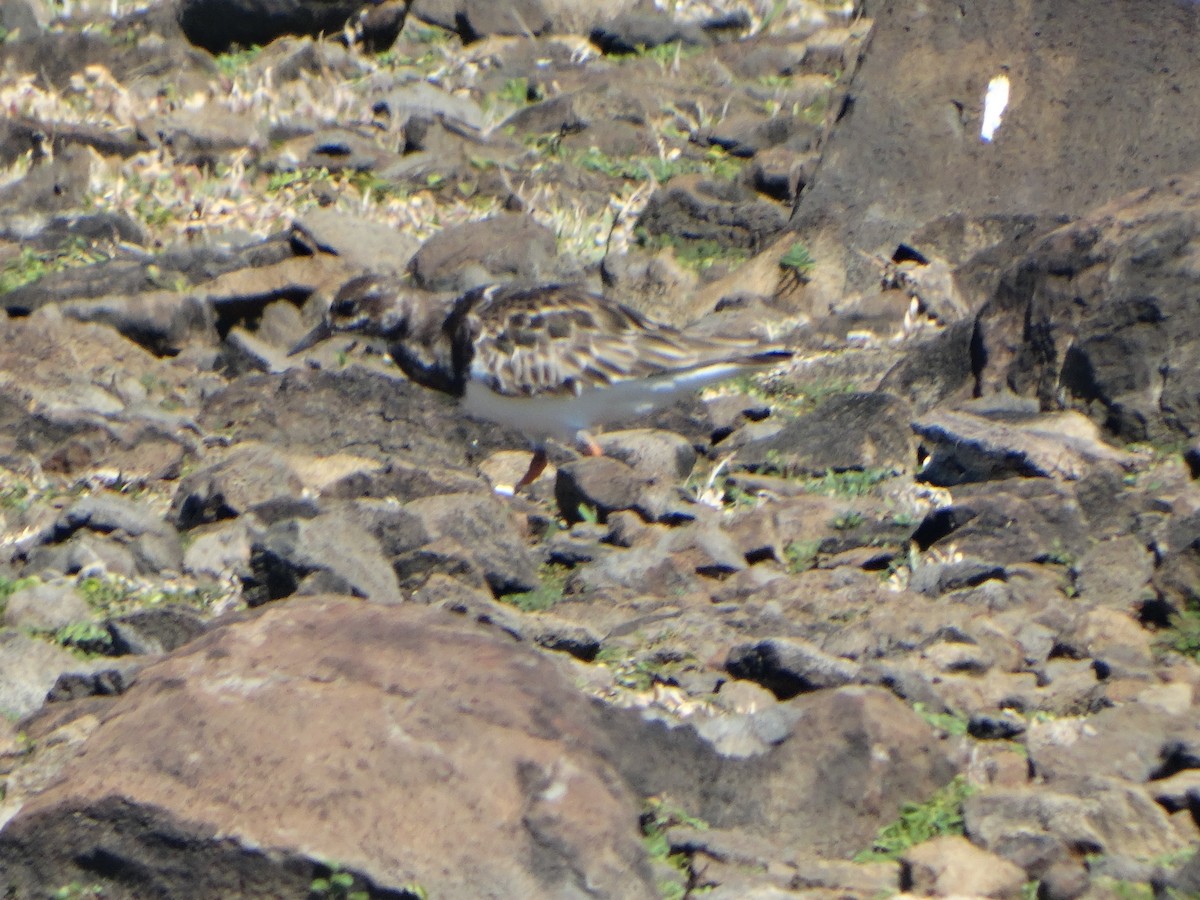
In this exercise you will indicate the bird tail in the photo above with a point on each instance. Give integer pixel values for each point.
(771, 356)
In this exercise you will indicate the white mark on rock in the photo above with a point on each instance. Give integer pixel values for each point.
(994, 103)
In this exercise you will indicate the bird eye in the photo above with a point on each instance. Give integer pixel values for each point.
(343, 309)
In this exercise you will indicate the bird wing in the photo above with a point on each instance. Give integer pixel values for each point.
(561, 340)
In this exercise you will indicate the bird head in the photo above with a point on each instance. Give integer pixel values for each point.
(365, 305)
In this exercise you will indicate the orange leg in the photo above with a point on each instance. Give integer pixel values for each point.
(589, 445)
(537, 466)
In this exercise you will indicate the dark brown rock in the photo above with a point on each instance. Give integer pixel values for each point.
(508, 246)
(1034, 828)
(218, 25)
(981, 523)
(943, 577)
(401, 480)
(204, 137)
(108, 513)
(1178, 545)
(52, 187)
(295, 58)
(747, 136)
(417, 107)
(66, 406)
(178, 784)
(846, 432)
(1036, 161)
(84, 553)
(157, 320)
(328, 553)
(632, 32)
(160, 319)
(1187, 877)
(250, 478)
(488, 531)
(525, 18)
(950, 865)
(1094, 317)
(24, 135)
(368, 413)
(692, 209)
(1032, 613)
(979, 248)
(600, 485)
(365, 244)
(19, 19)
(380, 24)
(788, 666)
(963, 447)
(57, 55)
(160, 629)
(1134, 741)
(100, 683)
(46, 607)
(30, 668)
(660, 455)
(556, 115)
(130, 530)
(781, 173)
(839, 771)
(649, 565)
(1065, 880)
(707, 549)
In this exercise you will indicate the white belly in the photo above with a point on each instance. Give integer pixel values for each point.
(564, 417)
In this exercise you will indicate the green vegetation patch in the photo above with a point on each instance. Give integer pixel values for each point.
(9, 586)
(715, 163)
(847, 521)
(1182, 633)
(918, 822)
(798, 260)
(553, 585)
(851, 483)
(1140, 890)
(77, 890)
(337, 885)
(519, 92)
(800, 556)
(640, 673)
(88, 638)
(111, 595)
(15, 497)
(666, 55)
(698, 255)
(947, 722)
(30, 265)
(658, 815)
(791, 397)
(816, 111)
(1137, 890)
(237, 61)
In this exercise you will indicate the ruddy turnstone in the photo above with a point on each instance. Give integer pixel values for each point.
(552, 361)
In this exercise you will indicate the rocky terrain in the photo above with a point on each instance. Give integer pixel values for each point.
(916, 614)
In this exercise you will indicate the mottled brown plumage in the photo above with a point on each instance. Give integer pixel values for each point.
(552, 360)
(561, 340)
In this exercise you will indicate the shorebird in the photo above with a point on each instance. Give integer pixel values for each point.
(552, 361)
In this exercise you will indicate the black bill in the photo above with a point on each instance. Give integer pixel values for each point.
(314, 337)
